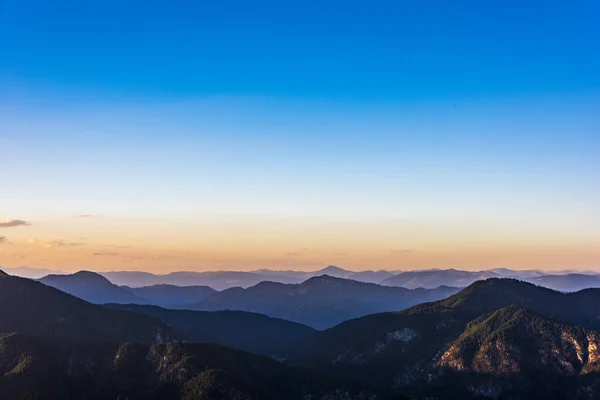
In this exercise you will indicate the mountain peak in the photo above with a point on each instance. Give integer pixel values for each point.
(333, 268)
(326, 278)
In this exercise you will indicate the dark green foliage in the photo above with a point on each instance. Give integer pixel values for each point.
(361, 348)
(34, 369)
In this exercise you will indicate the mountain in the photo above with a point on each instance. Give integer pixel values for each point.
(517, 274)
(247, 331)
(218, 280)
(515, 353)
(221, 280)
(514, 339)
(433, 278)
(567, 282)
(171, 295)
(391, 348)
(32, 273)
(320, 302)
(35, 369)
(92, 287)
(361, 276)
(32, 308)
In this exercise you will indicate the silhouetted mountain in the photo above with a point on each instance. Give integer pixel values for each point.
(247, 331)
(517, 274)
(320, 302)
(218, 280)
(567, 282)
(391, 348)
(170, 295)
(92, 287)
(361, 276)
(34, 369)
(32, 273)
(433, 278)
(221, 280)
(32, 308)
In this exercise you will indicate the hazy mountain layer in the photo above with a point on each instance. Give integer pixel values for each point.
(320, 302)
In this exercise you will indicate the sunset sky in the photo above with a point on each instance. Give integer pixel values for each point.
(164, 136)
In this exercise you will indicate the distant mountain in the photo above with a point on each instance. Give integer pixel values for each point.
(92, 287)
(567, 282)
(32, 273)
(218, 280)
(517, 274)
(428, 279)
(361, 276)
(433, 278)
(35, 309)
(320, 302)
(34, 369)
(171, 295)
(247, 331)
(391, 348)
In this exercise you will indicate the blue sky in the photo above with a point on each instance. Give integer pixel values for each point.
(359, 112)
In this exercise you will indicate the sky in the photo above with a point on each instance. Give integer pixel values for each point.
(164, 136)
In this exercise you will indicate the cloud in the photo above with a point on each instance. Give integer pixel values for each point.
(3, 239)
(62, 243)
(10, 223)
(297, 253)
(55, 243)
(83, 216)
(402, 251)
(118, 246)
(106, 253)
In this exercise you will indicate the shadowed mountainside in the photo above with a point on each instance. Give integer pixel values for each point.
(247, 331)
(170, 296)
(393, 349)
(92, 287)
(34, 369)
(320, 302)
(34, 309)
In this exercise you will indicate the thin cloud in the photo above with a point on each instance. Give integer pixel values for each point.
(402, 251)
(117, 246)
(55, 243)
(83, 216)
(3, 239)
(106, 253)
(11, 223)
(291, 254)
(62, 243)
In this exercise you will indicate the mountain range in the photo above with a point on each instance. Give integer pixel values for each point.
(31, 368)
(497, 338)
(35, 309)
(423, 350)
(320, 302)
(256, 333)
(566, 280)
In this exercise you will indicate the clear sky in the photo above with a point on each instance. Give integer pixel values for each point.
(161, 136)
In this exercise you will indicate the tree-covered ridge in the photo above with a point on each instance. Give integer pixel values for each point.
(32, 308)
(36, 369)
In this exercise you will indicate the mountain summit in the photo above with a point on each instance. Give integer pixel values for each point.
(92, 287)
